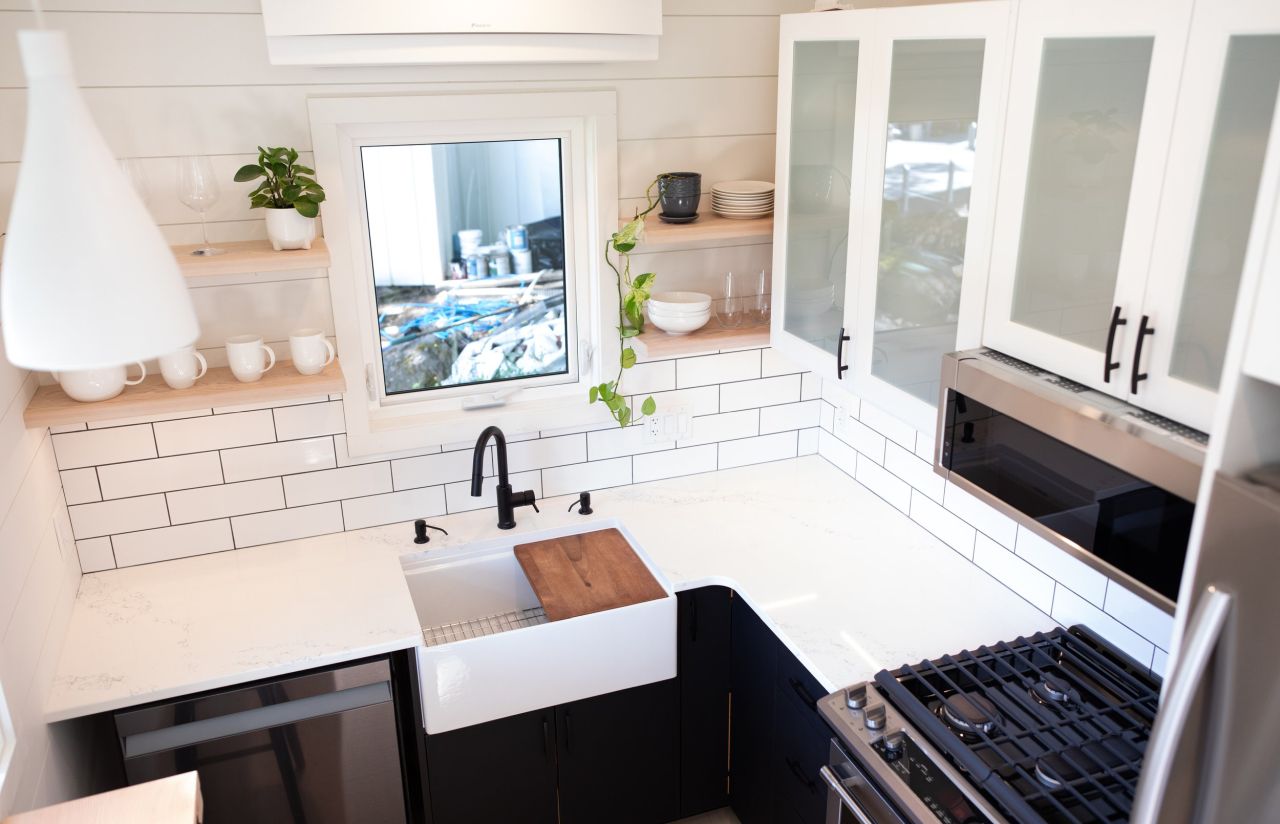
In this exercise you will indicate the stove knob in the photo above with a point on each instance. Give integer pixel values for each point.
(875, 717)
(893, 745)
(856, 696)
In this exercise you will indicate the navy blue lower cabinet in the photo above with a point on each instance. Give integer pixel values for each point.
(754, 651)
(704, 657)
(620, 756)
(502, 770)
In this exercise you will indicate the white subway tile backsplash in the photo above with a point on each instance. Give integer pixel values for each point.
(826, 415)
(1084, 580)
(336, 484)
(167, 416)
(103, 446)
(802, 415)
(619, 441)
(647, 378)
(924, 446)
(393, 507)
(839, 453)
(773, 362)
(287, 524)
(249, 407)
(723, 427)
(945, 526)
(214, 432)
(673, 463)
(1015, 573)
(1140, 615)
(430, 470)
(225, 500)
(584, 477)
(698, 400)
(764, 448)
(285, 458)
(914, 471)
(807, 441)
(124, 515)
(309, 420)
(544, 452)
(124, 480)
(95, 554)
(810, 387)
(345, 458)
(709, 369)
(858, 435)
(458, 495)
(762, 392)
(988, 521)
(80, 486)
(892, 428)
(1069, 608)
(171, 542)
(67, 427)
(884, 483)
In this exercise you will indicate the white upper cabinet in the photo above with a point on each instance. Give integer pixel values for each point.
(929, 198)
(1135, 139)
(888, 138)
(822, 86)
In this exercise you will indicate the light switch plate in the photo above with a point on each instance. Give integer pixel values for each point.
(667, 425)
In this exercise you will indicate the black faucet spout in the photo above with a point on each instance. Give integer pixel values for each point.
(506, 499)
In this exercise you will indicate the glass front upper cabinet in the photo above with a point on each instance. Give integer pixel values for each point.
(467, 250)
(929, 160)
(815, 174)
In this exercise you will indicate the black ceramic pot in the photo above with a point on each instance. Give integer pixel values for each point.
(679, 194)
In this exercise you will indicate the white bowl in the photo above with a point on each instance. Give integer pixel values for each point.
(679, 302)
(679, 324)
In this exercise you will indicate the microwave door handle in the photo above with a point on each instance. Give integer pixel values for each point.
(1203, 635)
(836, 787)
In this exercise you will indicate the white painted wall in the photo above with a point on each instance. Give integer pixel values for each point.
(39, 574)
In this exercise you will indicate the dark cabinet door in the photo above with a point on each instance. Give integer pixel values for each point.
(753, 669)
(502, 770)
(704, 698)
(620, 757)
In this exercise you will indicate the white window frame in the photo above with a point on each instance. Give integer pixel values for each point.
(586, 123)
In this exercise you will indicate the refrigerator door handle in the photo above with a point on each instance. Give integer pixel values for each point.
(1203, 634)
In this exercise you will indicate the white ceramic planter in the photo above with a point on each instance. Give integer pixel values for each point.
(289, 230)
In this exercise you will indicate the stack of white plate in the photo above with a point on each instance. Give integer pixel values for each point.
(742, 199)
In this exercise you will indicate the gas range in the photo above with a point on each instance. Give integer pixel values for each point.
(1047, 729)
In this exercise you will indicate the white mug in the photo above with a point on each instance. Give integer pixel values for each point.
(310, 350)
(181, 369)
(88, 385)
(244, 356)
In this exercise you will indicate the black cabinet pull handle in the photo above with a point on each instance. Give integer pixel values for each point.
(809, 700)
(546, 737)
(1110, 366)
(1135, 376)
(841, 367)
(798, 772)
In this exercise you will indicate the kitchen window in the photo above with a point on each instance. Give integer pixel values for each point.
(466, 236)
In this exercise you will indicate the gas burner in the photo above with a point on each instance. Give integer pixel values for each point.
(1053, 771)
(1051, 690)
(969, 713)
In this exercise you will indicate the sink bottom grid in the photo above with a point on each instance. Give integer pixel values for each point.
(488, 625)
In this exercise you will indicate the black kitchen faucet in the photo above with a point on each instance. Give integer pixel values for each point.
(507, 500)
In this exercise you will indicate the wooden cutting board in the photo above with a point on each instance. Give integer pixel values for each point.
(586, 573)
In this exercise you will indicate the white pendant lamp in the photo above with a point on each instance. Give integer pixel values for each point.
(87, 279)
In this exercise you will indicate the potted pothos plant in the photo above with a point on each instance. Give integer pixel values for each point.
(633, 291)
(290, 194)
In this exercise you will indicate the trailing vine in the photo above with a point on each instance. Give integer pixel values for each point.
(632, 293)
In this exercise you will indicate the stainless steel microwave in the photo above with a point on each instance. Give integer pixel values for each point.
(1113, 485)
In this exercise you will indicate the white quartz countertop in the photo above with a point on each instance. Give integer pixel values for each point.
(849, 583)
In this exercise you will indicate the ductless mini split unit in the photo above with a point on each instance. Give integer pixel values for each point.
(409, 32)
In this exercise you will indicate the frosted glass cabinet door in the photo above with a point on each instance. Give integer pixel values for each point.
(1226, 112)
(817, 132)
(1091, 106)
(931, 190)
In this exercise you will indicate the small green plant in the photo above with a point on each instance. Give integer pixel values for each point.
(287, 182)
(632, 293)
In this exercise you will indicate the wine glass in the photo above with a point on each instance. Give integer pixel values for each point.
(198, 190)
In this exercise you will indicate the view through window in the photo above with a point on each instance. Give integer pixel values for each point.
(468, 251)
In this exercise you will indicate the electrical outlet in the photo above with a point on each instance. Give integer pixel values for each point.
(667, 425)
(841, 424)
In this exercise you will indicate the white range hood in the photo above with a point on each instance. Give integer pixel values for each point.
(395, 32)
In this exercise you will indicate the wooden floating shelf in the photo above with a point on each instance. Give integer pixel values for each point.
(51, 407)
(654, 344)
(250, 256)
(708, 230)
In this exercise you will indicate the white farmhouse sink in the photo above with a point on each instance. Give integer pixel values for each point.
(489, 652)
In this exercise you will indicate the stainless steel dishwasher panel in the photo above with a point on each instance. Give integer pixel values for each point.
(315, 748)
